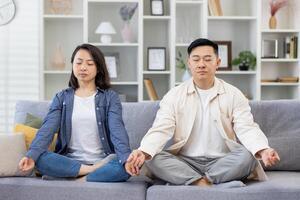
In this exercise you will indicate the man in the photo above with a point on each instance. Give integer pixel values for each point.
(215, 139)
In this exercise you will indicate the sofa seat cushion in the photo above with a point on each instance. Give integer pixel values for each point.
(281, 185)
(36, 189)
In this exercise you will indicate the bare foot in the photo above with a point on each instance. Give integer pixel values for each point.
(203, 182)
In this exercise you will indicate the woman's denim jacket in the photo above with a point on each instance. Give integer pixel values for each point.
(112, 132)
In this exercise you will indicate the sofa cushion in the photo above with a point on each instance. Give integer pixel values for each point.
(30, 133)
(36, 108)
(37, 189)
(12, 149)
(33, 121)
(288, 149)
(281, 185)
(138, 119)
(278, 119)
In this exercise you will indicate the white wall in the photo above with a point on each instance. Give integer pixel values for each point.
(19, 60)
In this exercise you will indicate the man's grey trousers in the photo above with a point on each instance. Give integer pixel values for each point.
(183, 170)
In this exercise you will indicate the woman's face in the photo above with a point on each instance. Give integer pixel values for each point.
(84, 67)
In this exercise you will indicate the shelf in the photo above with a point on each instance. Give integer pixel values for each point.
(124, 83)
(280, 31)
(57, 72)
(147, 17)
(63, 16)
(115, 44)
(182, 44)
(189, 2)
(113, 1)
(240, 18)
(156, 72)
(279, 60)
(279, 84)
(236, 72)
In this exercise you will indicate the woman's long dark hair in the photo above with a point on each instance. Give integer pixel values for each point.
(102, 79)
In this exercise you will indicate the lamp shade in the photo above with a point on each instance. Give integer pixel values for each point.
(105, 28)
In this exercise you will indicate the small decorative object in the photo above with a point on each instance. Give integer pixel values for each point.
(112, 63)
(269, 48)
(58, 61)
(157, 58)
(126, 13)
(61, 6)
(106, 30)
(224, 54)
(7, 11)
(275, 5)
(181, 65)
(157, 7)
(245, 60)
(150, 89)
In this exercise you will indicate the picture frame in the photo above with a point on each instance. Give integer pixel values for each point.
(157, 7)
(225, 54)
(156, 58)
(269, 48)
(112, 64)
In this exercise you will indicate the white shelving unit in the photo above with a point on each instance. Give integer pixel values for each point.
(274, 68)
(244, 23)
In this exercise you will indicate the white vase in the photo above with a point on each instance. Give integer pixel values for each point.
(127, 34)
(186, 75)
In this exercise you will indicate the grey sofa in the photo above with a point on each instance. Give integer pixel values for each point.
(278, 119)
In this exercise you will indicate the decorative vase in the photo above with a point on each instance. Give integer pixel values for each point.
(186, 75)
(244, 67)
(272, 22)
(127, 34)
(58, 60)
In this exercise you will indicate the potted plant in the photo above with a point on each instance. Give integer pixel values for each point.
(180, 63)
(245, 60)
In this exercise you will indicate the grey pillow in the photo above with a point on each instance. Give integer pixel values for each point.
(33, 121)
(288, 149)
(12, 149)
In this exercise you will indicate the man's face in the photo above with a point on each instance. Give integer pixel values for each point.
(203, 63)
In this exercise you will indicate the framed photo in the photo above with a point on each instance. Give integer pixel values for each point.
(224, 54)
(156, 58)
(157, 7)
(269, 48)
(112, 63)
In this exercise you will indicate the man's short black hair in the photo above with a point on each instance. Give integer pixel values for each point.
(202, 42)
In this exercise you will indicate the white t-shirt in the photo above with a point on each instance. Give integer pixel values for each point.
(205, 139)
(85, 145)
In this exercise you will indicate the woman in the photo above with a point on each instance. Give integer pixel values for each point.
(88, 119)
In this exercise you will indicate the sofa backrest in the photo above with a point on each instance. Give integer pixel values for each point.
(278, 119)
(138, 117)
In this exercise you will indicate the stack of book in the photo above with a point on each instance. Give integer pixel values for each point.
(215, 8)
(282, 79)
(291, 47)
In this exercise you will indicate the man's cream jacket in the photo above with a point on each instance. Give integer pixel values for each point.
(230, 111)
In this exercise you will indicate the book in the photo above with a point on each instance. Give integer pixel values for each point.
(288, 79)
(212, 8)
(150, 89)
(295, 47)
(219, 8)
(287, 47)
(292, 43)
